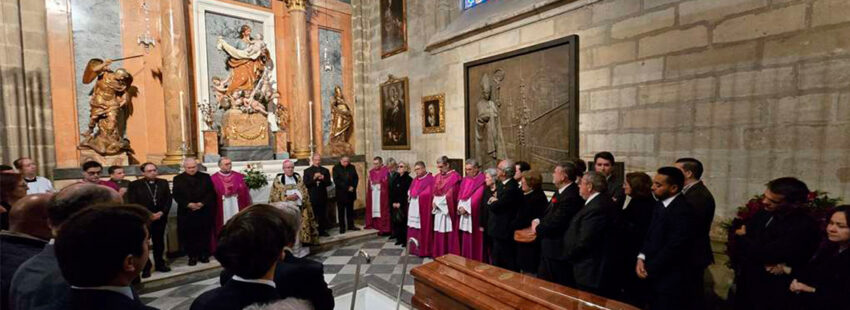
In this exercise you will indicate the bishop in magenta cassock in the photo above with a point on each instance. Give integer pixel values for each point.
(378, 198)
(419, 224)
(468, 206)
(444, 208)
(232, 192)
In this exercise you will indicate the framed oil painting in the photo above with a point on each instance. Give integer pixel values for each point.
(523, 105)
(434, 114)
(393, 27)
(395, 120)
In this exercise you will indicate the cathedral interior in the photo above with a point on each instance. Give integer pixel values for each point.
(754, 89)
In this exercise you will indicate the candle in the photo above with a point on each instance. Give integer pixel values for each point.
(312, 145)
(182, 119)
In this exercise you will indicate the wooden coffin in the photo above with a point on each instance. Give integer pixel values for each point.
(454, 282)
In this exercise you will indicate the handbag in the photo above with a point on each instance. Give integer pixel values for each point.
(525, 235)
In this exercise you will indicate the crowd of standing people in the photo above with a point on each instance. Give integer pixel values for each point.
(630, 236)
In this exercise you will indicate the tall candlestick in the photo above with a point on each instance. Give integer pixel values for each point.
(182, 120)
(312, 145)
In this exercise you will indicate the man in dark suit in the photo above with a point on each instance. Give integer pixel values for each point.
(586, 239)
(566, 202)
(249, 246)
(345, 181)
(701, 200)
(603, 162)
(663, 261)
(297, 277)
(38, 283)
(28, 233)
(503, 209)
(777, 239)
(100, 251)
(317, 179)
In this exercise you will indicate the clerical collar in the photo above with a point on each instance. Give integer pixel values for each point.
(688, 187)
(123, 290)
(591, 198)
(227, 173)
(667, 201)
(257, 281)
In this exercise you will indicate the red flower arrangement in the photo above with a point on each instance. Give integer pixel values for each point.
(818, 207)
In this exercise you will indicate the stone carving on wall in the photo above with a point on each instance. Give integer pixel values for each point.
(342, 125)
(523, 105)
(247, 91)
(109, 96)
(393, 27)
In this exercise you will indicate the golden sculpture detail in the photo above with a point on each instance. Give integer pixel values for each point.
(296, 4)
(108, 97)
(342, 124)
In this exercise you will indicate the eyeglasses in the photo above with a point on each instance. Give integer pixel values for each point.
(93, 172)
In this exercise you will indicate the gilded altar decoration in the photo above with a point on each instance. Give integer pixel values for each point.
(342, 124)
(247, 93)
(109, 96)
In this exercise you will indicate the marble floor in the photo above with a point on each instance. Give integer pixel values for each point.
(384, 272)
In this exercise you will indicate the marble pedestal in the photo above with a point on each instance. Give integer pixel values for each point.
(247, 153)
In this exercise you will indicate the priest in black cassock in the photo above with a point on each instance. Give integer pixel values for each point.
(153, 193)
(196, 197)
(317, 179)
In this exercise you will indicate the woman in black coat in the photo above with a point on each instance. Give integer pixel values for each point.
(824, 283)
(630, 227)
(534, 204)
(398, 203)
(490, 190)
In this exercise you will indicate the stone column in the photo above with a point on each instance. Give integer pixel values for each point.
(175, 82)
(299, 65)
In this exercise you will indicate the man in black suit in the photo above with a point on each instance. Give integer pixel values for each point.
(100, 251)
(38, 282)
(249, 247)
(776, 240)
(702, 202)
(566, 202)
(317, 179)
(663, 261)
(345, 180)
(28, 233)
(603, 162)
(196, 199)
(297, 277)
(153, 193)
(503, 209)
(586, 239)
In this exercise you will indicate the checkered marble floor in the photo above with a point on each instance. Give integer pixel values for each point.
(340, 265)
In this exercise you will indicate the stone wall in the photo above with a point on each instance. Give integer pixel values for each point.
(27, 127)
(756, 89)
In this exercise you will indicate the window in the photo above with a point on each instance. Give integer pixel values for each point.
(471, 3)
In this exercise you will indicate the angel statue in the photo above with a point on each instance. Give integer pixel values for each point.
(108, 97)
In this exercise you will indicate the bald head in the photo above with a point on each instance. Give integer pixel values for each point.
(76, 197)
(29, 216)
(190, 165)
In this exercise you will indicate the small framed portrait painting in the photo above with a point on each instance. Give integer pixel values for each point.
(434, 114)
